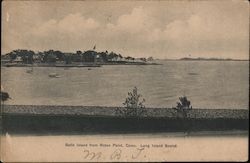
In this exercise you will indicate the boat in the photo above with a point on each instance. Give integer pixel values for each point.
(54, 75)
(30, 71)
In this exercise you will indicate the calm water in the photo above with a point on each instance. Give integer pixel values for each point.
(208, 84)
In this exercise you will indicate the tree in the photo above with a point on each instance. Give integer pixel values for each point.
(68, 58)
(129, 58)
(49, 56)
(12, 55)
(150, 59)
(183, 106)
(112, 55)
(89, 56)
(39, 56)
(143, 59)
(103, 56)
(26, 55)
(133, 105)
(52, 56)
(120, 56)
(59, 55)
(78, 52)
(77, 57)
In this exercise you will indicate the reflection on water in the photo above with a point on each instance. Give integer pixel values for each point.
(208, 84)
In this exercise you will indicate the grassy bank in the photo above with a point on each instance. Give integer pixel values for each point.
(110, 111)
(83, 120)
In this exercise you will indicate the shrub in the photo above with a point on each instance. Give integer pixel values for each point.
(183, 106)
(133, 105)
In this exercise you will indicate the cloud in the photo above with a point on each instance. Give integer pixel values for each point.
(76, 25)
(137, 21)
(204, 27)
(141, 31)
(72, 24)
(131, 26)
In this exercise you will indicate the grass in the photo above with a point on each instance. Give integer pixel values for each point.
(197, 113)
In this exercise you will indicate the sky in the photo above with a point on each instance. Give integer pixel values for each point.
(161, 29)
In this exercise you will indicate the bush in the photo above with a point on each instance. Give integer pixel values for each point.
(133, 105)
(183, 106)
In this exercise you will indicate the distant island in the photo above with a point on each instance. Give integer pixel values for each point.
(56, 58)
(211, 59)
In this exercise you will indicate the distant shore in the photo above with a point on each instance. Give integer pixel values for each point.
(211, 59)
(99, 64)
(74, 64)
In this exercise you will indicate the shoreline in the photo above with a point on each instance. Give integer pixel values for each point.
(74, 64)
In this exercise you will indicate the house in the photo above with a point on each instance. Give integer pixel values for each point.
(18, 60)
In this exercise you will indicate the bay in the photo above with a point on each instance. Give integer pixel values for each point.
(207, 84)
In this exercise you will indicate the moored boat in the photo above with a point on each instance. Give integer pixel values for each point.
(54, 75)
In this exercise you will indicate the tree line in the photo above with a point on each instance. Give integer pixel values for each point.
(52, 56)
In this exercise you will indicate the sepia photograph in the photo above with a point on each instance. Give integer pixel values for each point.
(124, 81)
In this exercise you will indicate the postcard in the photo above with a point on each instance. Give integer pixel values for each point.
(124, 81)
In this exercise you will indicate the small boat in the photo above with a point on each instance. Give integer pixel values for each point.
(192, 73)
(30, 71)
(54, 75)
(89, 68)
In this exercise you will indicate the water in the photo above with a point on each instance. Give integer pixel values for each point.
(208, 84)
